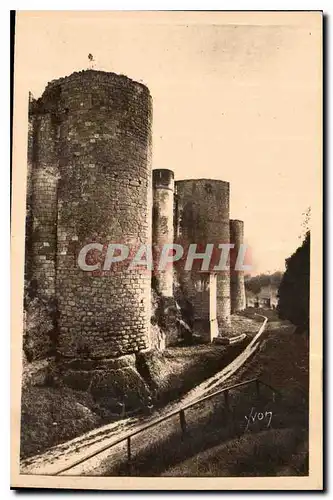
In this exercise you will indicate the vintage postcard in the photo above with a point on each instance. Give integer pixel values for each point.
(167, 251)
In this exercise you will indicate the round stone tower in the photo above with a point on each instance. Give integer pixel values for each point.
(102, 146)
(163, 226)
(202, 217)
(104, 153)
(237, 285)
(93, 131)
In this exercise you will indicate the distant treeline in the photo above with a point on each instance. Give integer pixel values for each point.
(256, 283)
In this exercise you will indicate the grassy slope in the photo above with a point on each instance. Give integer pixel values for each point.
(53, 415)
(275, 452)
(283, 449)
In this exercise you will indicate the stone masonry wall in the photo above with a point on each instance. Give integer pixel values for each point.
(202, 217)
(163, 225)
(41, 235)
(162, 234)
(103, 147)
(237, 284)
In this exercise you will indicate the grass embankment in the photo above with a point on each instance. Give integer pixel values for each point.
(218, 441)
(50, 416)
(53, 415)
(182, 368)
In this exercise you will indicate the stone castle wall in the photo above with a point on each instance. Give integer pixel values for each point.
(202, 217)
(90, 182)
(237, 284)
(163, 226)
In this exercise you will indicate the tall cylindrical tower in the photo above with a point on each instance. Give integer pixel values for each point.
(202, 217)
(104, 196)
(163, 226)
(237, 285)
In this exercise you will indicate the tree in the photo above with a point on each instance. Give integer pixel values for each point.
(294, 290)
(256, 283)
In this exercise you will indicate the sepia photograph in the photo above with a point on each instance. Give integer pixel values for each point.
(167, 239)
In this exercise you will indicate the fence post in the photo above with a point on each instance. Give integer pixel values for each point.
(258, 387)
(226, 399)
(129, 457)
(182, 422)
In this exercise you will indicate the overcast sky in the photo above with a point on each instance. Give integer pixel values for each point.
(234, 98)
